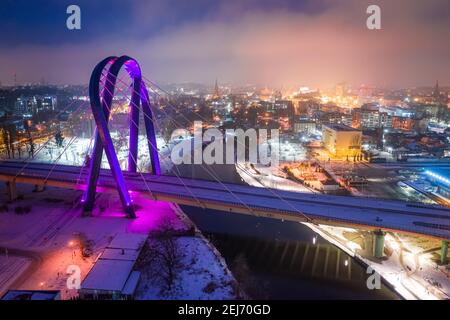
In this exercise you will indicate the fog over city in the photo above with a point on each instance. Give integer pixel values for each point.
(277, 43)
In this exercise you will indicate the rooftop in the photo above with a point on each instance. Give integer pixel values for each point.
(31, 295)
(108, 275)
(340, 127)
(113, 271)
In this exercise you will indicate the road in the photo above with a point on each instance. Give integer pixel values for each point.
(366, 213)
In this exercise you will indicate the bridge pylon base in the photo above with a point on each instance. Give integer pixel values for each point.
(11, 190)
(39, 188)
(444, 252)
(86, 213)
(129, 210)
(378, 243)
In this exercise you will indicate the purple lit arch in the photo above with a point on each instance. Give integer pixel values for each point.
(101, 107)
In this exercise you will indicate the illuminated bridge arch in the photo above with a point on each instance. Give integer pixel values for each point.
(101, 103)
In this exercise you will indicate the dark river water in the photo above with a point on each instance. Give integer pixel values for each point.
(273, 259)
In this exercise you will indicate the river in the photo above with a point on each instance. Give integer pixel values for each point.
(273, 259)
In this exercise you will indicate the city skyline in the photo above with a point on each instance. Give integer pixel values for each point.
(226, 150)
(316, 43)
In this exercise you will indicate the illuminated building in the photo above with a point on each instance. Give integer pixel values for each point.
(341, 90)
(307, 126)
(34, 104)
(341, 140)
(410, 124)
(369, 116)
(284, 108)
(440, 178)
(265, 94)
(365, 94)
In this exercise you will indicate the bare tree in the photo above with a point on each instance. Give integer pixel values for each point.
(160, 257)
(5, 135)
(59, 139)
(30, 143)
(12, 134)
(168, 255)
(84, 244)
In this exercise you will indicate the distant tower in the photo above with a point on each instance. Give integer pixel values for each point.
(216, 94)
(436, 92)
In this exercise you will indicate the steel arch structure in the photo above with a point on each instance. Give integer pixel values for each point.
(101, 103)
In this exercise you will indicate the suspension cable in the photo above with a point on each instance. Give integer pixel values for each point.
(210, 172)
(29, 159)
(155, 147)
(269, 189)
(71, 141)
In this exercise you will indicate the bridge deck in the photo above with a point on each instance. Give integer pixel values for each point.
(430, 220)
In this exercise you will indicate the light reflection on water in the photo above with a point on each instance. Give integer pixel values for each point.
(280, 260)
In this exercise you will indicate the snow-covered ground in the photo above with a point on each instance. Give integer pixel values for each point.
(74, 152)
(290, 151)
(262, 176)
(201, 276)
(43, 243)
(11, 267)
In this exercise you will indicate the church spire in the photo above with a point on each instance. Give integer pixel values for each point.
(436, 92)
(216, 94)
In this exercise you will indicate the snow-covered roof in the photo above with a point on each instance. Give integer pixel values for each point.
(132, 282)
(108, 275)
(120, 254)
(113, 271)
(132, 241)
(31, 295)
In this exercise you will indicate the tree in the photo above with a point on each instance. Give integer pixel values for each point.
(9, 132)
(168, 127)
(168, 255)
(30, 143)
(5, 135)
(12, 135)
(59, 139)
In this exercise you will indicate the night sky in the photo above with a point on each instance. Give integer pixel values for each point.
(273, 42)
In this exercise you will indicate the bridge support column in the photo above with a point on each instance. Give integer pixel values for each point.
(378, 243)
(444, 252)
(86, 213)
(11, 190)
(39, 188)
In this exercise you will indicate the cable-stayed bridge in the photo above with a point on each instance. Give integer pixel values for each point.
(365, 213)
(371, 214)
